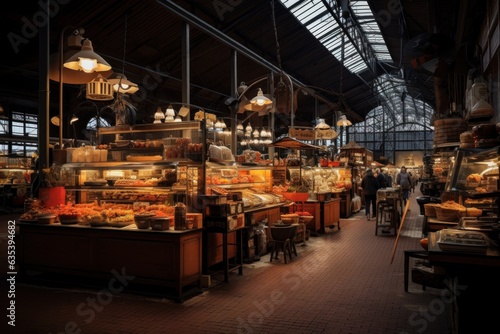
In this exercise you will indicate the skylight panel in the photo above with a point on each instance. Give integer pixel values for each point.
(318, 20)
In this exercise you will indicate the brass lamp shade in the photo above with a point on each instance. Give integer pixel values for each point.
(55, 120)
(87, 60)
(121, 84)
(343, 121)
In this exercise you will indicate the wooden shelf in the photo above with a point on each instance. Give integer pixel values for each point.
(173, 126)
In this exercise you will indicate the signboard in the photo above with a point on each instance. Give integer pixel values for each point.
(304, 133)
(301, 133)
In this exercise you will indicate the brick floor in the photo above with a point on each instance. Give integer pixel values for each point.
(341, 282)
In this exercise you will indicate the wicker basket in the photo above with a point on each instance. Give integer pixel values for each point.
(471, 212)
(430, 209)
(447, 215)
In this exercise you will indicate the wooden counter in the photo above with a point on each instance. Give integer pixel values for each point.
(461, 260)
(472, 287)
(164, 259)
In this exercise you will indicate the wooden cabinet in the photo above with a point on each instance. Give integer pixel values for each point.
(330, 214)
(165, 259)
(325, 214)
(314, 208)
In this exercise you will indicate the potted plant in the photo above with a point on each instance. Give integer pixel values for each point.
(52, 191)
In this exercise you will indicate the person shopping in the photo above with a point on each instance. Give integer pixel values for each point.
(403, 179)
(370, 186)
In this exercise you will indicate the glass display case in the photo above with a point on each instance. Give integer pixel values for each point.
(254, 182)
(475, 176)
(128, 182)
(321, 180)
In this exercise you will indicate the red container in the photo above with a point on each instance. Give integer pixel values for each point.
(52, 196)
(296, 197)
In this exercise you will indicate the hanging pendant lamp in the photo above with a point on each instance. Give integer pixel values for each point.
(87, 60)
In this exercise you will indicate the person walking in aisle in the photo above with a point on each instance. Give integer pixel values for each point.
(388, 178)
(382, 181)
(403, 179)
(370, 186)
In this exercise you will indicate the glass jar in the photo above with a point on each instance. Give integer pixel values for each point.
(180, 216)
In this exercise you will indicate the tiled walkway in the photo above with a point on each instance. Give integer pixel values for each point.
(341, 282)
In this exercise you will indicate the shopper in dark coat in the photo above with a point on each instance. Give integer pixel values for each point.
(403, 179)
(370, 186)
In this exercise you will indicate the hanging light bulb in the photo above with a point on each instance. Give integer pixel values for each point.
(159, 116)
(256, 133)
(260, 99)
(178, 118)
(169, 114)
(248, 128)
(239, 127)
(263, 133)
(210, 123)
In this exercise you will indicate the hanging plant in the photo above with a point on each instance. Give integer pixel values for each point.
(125, 112)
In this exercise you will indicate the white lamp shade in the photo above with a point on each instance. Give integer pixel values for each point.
(170, 112)
(260, 99)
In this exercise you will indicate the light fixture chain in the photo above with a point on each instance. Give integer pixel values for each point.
(278, 57)
(124, 43)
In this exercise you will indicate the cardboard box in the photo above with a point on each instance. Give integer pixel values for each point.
(198, 219)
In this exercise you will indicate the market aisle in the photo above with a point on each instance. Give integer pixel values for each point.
(341, 282)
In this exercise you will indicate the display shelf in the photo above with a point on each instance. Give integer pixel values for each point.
(120, 164)
(161, 127)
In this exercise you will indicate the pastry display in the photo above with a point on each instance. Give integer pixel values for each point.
(474, 178)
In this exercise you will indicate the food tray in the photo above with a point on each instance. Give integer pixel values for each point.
(483, 224)
(120, 224)
(462, 241)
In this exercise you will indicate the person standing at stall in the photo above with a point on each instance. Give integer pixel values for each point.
(403, 179)
(370, 186)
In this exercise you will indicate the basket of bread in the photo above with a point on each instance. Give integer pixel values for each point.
(471, 212)
(430, 209)
(449, 211)
(291, 218)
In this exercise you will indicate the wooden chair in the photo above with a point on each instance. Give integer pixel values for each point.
(281, 240)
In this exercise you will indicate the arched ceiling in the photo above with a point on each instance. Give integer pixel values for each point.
(268, 36)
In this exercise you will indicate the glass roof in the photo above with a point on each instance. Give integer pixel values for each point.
(318, 19)
(403, 111)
